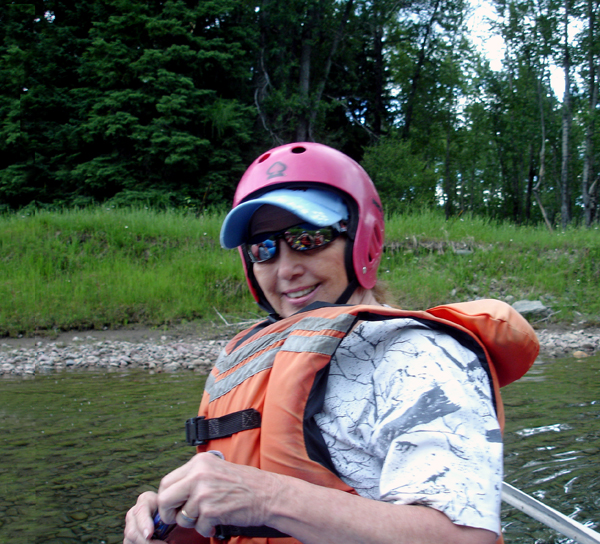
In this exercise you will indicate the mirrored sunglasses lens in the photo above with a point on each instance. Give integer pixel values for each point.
(297, 238)
(304, 239)
(263, 251)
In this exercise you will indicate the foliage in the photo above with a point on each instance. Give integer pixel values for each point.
(164, 103)
(115, 267)
(131, 97)
(403, 179)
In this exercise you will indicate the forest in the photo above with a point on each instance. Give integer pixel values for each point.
(164, 103)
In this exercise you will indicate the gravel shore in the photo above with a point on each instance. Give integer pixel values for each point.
(183, 351)
(109, 350)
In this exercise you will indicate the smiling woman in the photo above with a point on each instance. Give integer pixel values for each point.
(311, 265)
(318, 187)
(291, 282)
(340, 418)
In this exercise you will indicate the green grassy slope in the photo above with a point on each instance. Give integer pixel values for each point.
(97, 268)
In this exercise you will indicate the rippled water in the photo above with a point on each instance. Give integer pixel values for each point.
(552, 445)
(78, 448)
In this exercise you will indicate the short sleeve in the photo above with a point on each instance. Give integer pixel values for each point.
(409, 419)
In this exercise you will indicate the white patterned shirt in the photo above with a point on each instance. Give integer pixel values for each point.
(408, 418)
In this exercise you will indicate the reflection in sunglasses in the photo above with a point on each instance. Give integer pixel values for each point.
(298, 238)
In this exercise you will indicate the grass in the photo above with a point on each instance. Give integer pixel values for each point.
(91, 269)
(431, 261)
(111, 268)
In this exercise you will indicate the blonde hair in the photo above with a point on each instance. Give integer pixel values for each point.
(382, 294)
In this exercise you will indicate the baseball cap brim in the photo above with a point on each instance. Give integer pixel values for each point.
(315, 206)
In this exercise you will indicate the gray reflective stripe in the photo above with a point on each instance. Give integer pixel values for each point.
(209, 381)
(297, 344)
(341, 323)
(219, 388)
(312, 344)
(241, 354)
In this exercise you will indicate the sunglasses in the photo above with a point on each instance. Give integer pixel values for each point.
(298, 238)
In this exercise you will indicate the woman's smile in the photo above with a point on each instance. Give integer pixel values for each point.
(300, 293)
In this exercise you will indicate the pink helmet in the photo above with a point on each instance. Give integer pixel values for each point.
(315, 165)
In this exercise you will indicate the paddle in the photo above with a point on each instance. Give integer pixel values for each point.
(548, 516)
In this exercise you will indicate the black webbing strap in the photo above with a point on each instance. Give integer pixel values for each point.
(198, 430)
(223, 532)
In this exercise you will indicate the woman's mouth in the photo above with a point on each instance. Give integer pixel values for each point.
(301, 293)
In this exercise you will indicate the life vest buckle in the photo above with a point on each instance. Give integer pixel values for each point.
(199, 430)
(191, 431)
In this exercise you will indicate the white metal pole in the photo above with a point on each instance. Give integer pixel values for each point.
(548, 516)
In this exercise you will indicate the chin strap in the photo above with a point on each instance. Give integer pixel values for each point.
(348, 292)
(273, 316)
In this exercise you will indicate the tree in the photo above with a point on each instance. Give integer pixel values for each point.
(293, 67)
(39, 72)
(565, 182)
(402, 176)
(15, 28)
(589, 187)
(137, 101)
(525, 106)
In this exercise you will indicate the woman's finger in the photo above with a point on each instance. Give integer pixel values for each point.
(179, 486)
(185, 518)
(205, 528)
(178, 474)
(139, 523)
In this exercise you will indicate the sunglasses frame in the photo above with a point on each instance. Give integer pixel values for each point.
(337, 230)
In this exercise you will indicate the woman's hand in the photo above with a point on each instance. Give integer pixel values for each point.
(208, 491)
(139, 522)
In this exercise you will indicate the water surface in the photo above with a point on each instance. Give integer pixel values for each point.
(78, 448)
(552, 445)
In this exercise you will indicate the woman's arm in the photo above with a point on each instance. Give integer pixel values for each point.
(222, 493)
(352, 519)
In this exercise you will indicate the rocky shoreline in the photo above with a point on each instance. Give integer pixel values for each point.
(176, 351)
(88, 352)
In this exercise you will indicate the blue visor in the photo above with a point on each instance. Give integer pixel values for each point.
(316, 206)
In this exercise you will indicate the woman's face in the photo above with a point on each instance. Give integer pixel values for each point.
(295, 279)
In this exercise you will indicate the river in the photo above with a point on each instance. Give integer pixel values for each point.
(77, 448)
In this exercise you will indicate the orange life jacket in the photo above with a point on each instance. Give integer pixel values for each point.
(279, 371)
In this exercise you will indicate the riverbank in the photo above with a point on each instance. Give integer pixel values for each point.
(113, 268)
(189, 348)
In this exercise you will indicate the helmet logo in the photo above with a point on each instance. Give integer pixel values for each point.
(276, 170)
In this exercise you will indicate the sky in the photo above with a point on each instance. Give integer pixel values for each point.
(493, 46)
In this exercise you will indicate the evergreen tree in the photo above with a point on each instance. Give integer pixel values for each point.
(134, 101)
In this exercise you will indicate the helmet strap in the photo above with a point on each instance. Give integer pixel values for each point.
(348, 292)
(273, 316)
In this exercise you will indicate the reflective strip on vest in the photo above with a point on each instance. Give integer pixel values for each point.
(259, 355)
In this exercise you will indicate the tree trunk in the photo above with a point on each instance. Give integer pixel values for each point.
(588, 165)
(530, 180)
(542, 170)
(302, 128)
(379, 110)
(263, 80)
(449, 187)
(410, 103)
(565, 190)
(334, 45)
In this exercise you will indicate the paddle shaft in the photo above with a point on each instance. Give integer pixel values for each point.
(548, 516)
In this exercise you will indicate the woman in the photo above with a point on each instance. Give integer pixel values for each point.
(357, 423)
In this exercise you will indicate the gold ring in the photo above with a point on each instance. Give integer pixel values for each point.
(187, 518)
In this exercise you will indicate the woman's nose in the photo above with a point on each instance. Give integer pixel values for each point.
(289, 262)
